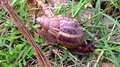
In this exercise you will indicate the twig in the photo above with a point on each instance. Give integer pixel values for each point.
(43, 61)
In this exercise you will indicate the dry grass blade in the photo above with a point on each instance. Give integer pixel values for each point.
(44, 62)
(102, 52)
(13, 65)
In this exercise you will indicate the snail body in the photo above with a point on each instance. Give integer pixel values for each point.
(61, 30)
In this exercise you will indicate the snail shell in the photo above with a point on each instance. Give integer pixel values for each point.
(61, 30)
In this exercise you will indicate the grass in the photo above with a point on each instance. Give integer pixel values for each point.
(13, 44)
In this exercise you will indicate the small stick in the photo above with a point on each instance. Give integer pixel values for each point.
(43, 61)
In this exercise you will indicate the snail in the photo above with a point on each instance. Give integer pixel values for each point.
(62, 30)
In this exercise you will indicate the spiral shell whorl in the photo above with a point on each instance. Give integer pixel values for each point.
(54, 26)
(70, 33)
(44, 22)
(63, 30)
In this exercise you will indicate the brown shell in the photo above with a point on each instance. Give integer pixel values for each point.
(61, 29)
(49, 29)
(70, 34)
